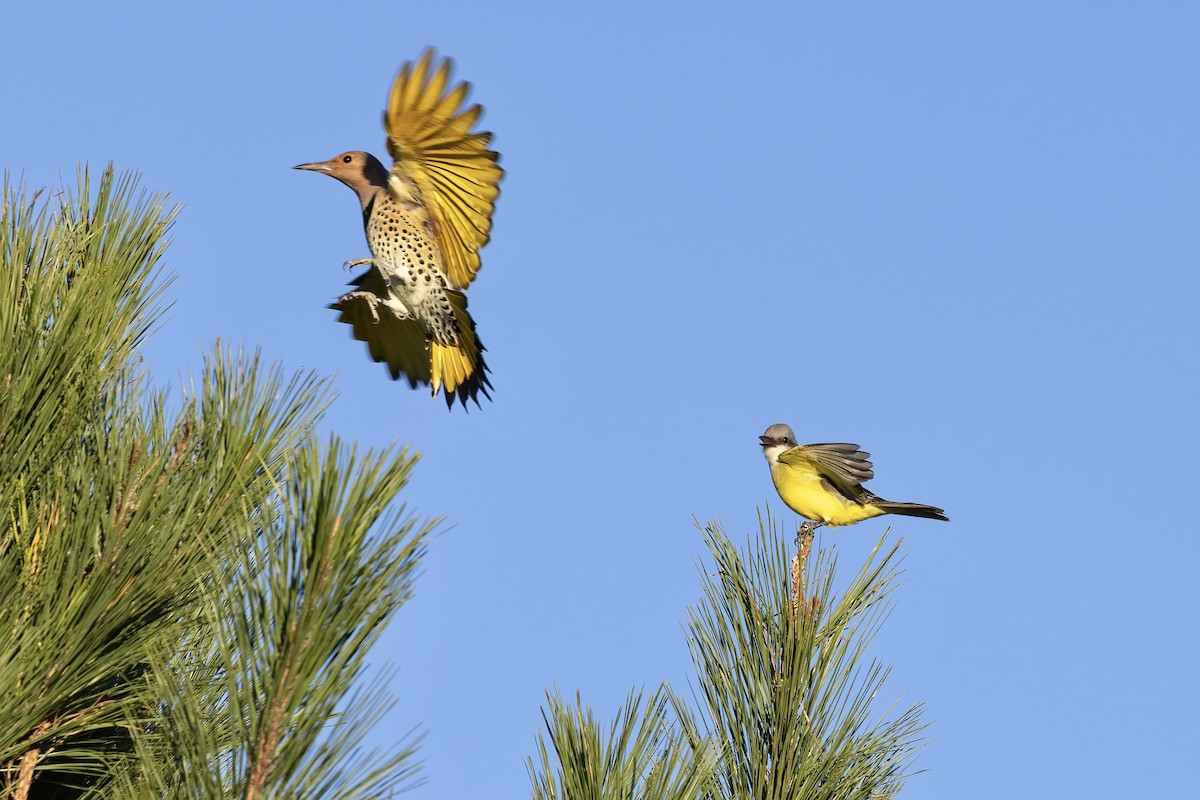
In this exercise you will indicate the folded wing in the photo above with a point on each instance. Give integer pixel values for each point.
(842, 464)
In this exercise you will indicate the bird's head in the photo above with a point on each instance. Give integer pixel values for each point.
(361, 171)
(775, 440)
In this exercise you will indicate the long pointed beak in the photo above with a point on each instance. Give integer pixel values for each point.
(315, 166)
(766, 441)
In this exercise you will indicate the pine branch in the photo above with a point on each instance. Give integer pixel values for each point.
(266, 706)
(642, 755)
(79, 288)
(188, 589)
(785, 687)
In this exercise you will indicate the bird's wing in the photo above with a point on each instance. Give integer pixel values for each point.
(842, 464)
(397, 341)
(453, 172)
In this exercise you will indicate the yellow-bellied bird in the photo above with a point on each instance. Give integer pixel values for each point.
(426, 219)
(823, 482)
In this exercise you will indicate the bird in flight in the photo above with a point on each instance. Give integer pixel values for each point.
(823, 482)
(426, 219)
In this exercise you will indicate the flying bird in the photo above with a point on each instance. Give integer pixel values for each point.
(823, 482)
(426, 219)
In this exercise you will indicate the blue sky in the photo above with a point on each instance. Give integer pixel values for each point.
(963, 236)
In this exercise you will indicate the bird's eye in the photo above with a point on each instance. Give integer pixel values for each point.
(347, 159)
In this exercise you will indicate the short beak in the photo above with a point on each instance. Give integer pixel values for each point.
(316, 166)
(766, 441)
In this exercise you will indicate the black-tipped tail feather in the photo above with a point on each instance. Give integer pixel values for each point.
(912, 510)
(473, 386)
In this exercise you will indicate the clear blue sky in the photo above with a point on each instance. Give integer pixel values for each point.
(964, 237)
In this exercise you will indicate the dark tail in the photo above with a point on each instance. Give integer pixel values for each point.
(912, 510)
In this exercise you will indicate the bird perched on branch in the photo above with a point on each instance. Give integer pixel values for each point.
(823, 482)
(426, 219)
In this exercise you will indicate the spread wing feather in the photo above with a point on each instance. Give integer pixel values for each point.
(452, 170)
(398, 342)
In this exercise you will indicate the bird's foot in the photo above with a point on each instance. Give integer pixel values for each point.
(806, 530)
(358, 262)
(372, 302)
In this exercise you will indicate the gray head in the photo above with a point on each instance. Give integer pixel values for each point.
(361, 171)
(775, 440)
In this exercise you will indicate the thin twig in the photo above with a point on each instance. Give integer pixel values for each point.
(29, 762)
(804, 540)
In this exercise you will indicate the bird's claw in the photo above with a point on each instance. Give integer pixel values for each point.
(358, 262)
(372, 302)
(807, 529)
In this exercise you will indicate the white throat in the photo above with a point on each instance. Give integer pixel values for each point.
(772, 452)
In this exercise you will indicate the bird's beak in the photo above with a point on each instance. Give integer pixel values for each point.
(767, 441)
(316, 166)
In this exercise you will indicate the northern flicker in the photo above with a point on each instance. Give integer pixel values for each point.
(426, 219)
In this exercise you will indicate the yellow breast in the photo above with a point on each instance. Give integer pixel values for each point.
(804, 492)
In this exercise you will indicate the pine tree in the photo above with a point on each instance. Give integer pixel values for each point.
(642, 755)
(785, 697)
(188, 586)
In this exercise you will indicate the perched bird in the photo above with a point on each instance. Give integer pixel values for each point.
(426, 219)
(823, 482)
